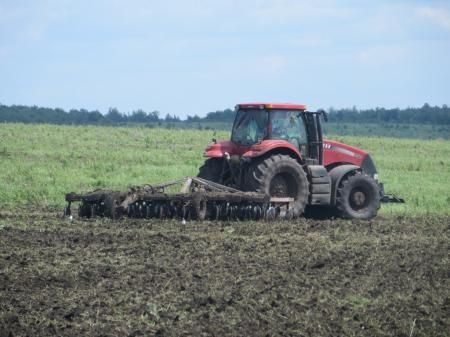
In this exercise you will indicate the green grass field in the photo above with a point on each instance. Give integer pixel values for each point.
(40, 163)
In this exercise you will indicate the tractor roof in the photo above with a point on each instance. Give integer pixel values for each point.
(259, 105)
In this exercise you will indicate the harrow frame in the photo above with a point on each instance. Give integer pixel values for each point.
(197, 199)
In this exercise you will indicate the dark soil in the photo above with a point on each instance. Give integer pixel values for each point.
(386, 277)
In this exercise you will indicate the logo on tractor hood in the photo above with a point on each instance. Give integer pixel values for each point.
(348, 152)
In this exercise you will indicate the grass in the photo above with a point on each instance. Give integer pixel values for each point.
(424, 131)
(40, 163)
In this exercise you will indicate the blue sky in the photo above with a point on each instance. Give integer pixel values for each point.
(192, 57)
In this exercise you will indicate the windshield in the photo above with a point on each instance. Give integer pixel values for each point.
(288, 125)
(250, 126)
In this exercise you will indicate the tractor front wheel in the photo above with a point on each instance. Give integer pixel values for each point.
(212, 170)
(358, 197)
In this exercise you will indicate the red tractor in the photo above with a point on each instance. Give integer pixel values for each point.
(276, 165)
(278, 150)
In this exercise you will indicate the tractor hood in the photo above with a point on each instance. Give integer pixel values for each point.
(335, 152)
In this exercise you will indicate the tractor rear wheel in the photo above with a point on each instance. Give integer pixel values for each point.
(280, 176)
(358, 197)
(212, 170)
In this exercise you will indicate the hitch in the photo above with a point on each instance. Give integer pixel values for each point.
(385, 198)
(392, 198)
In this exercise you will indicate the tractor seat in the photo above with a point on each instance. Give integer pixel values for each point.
(295, 142)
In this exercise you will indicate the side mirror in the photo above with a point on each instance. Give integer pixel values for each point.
(324, 114)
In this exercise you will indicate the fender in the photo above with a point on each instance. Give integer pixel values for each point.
(266, 146)
(218, 149)
(336, 176)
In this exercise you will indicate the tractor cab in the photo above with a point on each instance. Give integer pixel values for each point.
(252, 126)
(260, 123)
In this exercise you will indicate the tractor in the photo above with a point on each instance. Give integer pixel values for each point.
(276, 165)
(278, 150)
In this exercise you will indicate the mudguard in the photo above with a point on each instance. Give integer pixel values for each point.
(218, 149)
(336, 175)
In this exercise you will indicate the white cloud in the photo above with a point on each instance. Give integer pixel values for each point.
(267, 10)
(310, 41)
(440, 16)
(382, 55)
(296, 10)
(30, 21)
(261, 66)
(269, 64)
(3, 52)
(387, 20)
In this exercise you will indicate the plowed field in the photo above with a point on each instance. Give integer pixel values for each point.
(386, 277)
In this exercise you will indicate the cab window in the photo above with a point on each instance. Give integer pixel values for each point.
(288, 125)
(250, 127)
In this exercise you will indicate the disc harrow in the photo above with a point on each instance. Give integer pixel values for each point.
(199, 199)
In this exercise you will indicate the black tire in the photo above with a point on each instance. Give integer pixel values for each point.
(358, 197)
(212, 170)
(281, 176)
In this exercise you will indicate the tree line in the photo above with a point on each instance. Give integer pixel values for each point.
(32, 114)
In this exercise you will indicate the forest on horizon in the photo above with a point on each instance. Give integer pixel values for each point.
(427, 114)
